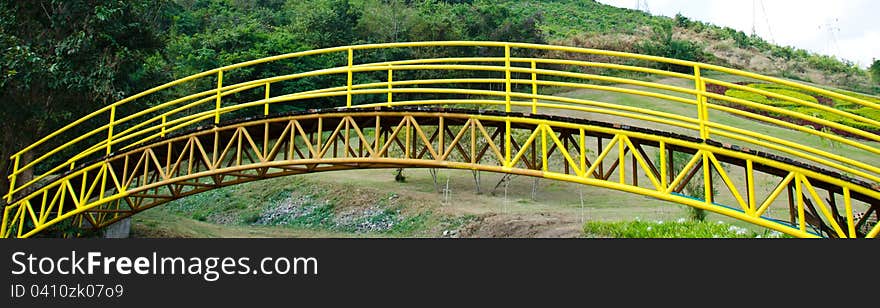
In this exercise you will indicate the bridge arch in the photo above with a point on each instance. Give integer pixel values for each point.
(501, 116)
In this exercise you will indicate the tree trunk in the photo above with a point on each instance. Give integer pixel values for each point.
(7, 147)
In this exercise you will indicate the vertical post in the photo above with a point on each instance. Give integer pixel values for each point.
(390, 80)
(802, 224)
(3, 221)
(707, 179)
(13, 178)
(219, 85)
(703, 114)
(378, 135)
(348, 89)
(473, 123)
(440, 143)
(543, 129)
(266, 105)
(664, 181)
(534, 88)
(408, 133)
(583, 152)
(347, 135)
(750, 178)
(850, 224)
(266, 125)
(110, 127)
(163, 126)
(507, 143)
(507, 77)
(103, 174)
(621, 158)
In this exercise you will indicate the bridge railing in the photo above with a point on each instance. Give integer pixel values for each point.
(508, 82)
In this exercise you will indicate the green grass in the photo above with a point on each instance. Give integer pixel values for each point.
(786, 90)
(294, 202)
(803, 95)
(411, 225)
(675, 229)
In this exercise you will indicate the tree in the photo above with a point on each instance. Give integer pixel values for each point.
(63, 59)
(875, 71)
(385, 21)
(325, 23)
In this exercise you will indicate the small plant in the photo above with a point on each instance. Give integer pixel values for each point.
(252, 218)
(696, 214)
(875, 71)
(827, 141)
(398, 176)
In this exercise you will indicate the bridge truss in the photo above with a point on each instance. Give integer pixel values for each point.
(91, 177)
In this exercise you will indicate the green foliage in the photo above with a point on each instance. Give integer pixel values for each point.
(696, 214)
(815, 112)
(324, 23)
(663, 44)
(875, 71)
(61, 60)
(749, 96)
(786, 90)
(679, 229)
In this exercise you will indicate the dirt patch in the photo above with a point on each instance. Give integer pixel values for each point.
(522, 226)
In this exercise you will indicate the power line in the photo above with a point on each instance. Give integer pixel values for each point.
(832, 27)
(755, 4)
(754, 20)
(767, 20)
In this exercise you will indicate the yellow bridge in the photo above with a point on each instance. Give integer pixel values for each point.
(499, 107)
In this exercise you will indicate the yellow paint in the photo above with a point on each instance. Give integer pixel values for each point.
(143, 126)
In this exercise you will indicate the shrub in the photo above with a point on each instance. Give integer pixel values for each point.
(875, 71)
(662, 44)
(787, 91)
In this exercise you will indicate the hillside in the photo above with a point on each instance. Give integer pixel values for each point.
(595, 25)
(202, 34)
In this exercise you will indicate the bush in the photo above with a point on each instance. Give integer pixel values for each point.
(678, 229)
(785, 90)
(662, 44)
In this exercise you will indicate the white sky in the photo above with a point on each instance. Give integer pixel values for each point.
(806, 24)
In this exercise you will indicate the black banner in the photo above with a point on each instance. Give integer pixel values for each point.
(410, 272)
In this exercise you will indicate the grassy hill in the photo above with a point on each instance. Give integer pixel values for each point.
(203, 34)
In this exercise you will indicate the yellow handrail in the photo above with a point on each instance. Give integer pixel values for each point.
(142, 127)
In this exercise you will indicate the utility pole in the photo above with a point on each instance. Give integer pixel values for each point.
(642, 5)
(754, 20)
